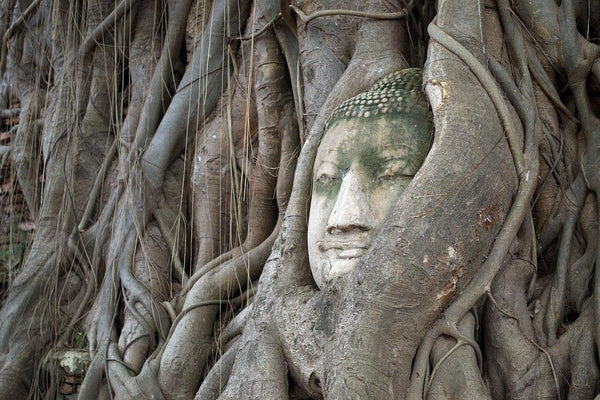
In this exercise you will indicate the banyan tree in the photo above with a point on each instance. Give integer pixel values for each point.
(308, 199)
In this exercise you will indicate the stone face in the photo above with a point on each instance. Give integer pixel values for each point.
(365, 161)
(74, 362)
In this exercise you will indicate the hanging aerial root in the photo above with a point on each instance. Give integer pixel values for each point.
(142, 280)
(88, 279)
(11, 31)
(172, 243)
(106, 25)
(275, 121)
(98, 183)
(25, 152)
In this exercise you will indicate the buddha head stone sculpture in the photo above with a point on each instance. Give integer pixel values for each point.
(373, 145)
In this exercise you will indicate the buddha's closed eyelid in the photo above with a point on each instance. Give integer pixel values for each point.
(326, 170)
(393, 168)
(388, 177)
(325, 178)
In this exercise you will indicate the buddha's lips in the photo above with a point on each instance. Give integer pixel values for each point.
(351, 253)
(342, 245)
(343, 250)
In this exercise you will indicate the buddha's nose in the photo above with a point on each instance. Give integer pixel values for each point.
(352, 209)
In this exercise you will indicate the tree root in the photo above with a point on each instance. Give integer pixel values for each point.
(25, 151)
(156, 98)
(216, 380)
(527, 165)
(102, 28)
(443, 382)
(354, 13)
(97, 186)
(11, 31)
(190, 346)
(556, 306)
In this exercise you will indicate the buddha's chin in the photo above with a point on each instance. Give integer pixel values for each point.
(340, 266)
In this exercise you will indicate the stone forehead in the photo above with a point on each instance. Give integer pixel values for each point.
(396, 93)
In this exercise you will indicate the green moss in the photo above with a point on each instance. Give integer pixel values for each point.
(386, 131)
(381, 157)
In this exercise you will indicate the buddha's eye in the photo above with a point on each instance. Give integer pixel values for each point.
(393, 177)
(389, 173)
(328, 175)
(385, 177)
(326, 179)
(393, 171)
